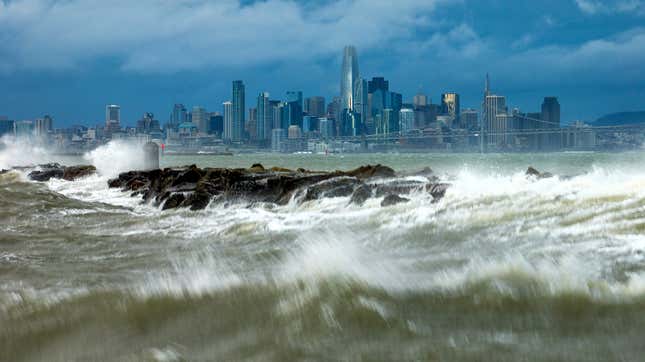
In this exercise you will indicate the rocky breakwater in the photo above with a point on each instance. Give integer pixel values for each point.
(54, 170)
(193, 187)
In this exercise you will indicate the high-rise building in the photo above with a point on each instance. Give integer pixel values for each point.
(43, 126)
(361, 103)
(294, 104)
(276, 109)
(420, 100)
(406, 120)
(309, 123)
(349, 124)
(379, 98)
(179, 115)
(315, 106)
(112, 118)
(450, 106)
(551, 120)
(469, 119)
(278, 136)
(252, 124)
(326, 126)
(264, 123)
(201, 119)
(494, 105)
(238, 111)
(396, 103)
(148, 124)
(216, 121)
(551, 112)
(349, 75)
(294, 132)
(378, 83)
(333, 108)
(228, 121)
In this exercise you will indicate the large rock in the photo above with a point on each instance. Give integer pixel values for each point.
(75, 172)
(46, 174)
(55, 170)
(194, 188)
(393, 199)
(335, 187)
(360, 195)
(532, 172)
(372, 171)
(438, 191)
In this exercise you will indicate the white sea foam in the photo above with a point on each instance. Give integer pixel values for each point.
(115, 157)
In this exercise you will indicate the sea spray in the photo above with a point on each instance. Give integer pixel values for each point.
(21, 152)
(117, 156)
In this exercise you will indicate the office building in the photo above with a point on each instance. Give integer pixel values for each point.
(420, 100)
(315, 106)
(450, 106)
(361, 103)
(494, 105)
(326, 126)
(216, 126)
(200, 119)
(406, 120)
(228, 121)
(179, 115)
(112, 118)
(264, 123)
(468, 119)
(349, 75)
(43, 126)
(294, 107)
(238, 111)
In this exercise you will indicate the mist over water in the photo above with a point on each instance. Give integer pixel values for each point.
(504, 267)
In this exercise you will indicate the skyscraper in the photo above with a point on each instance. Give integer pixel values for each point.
(349, 75)
(294, 103)
(450, 106)
(112, 118)
(551, 120)
(43, 126)
(361, 104)
(179, 115)
(201, 119)
(551, 112)
(494, 106)
(315, 106)
(420, 100)
(264, 117)
(238, 111)
(406, 119)
(228, 121)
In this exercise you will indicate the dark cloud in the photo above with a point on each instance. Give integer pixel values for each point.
(149, 54)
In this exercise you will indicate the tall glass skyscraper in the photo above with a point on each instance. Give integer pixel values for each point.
(349, 75)
(264, 123)
(237, 131)
(228, 121)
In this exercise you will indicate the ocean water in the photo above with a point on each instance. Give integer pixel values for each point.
(504, 268)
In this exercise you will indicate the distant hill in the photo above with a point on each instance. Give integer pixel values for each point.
(620, 118)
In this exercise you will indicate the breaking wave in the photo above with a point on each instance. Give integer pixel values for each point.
(501, 259)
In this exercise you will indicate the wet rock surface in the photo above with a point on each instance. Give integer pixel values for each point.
(393, 199)
(193, 187)
(532, 172)
(54, 170)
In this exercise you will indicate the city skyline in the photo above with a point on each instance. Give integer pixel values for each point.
(437, 45)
